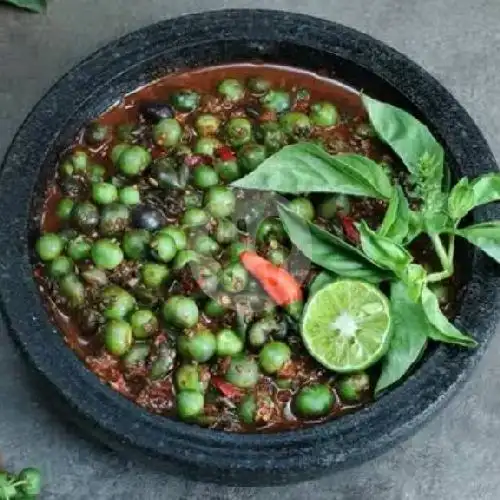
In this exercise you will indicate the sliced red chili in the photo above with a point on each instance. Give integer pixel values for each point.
(225, 153)
(277, 282)
(349, 228)
(228, 390)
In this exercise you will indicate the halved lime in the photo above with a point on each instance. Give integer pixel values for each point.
(347, 325)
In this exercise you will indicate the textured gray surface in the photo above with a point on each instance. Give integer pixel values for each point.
(452, 458)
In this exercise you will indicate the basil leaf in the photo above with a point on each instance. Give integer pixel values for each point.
(409, 337)
(437, 221)
(485, 235)
(429, 179)
(407, 136)
(329, 251)
(396, 219)
(414, 277)
(308, 168)
(383, 251)
(367, 172)
(443, 330)
(412, 323)
(320, 281)
(32, 5)
(486, 189)
(461, 199)
(435, 205)
(415, 226)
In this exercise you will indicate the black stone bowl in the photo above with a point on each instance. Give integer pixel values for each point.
(207, 39)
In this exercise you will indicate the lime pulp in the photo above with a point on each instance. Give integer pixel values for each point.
(347, 325)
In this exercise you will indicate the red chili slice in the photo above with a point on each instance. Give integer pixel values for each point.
(352, 234)
(228, 390)
(225, 153)
(278, 283)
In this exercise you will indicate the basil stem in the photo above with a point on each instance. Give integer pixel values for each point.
(445, 257)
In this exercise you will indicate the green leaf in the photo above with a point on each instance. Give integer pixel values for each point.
(414, 277)
(485, 235)
(407, 136)
(415, 226)
(435, 205)
(32, 5)
(443, 330)
(320, 281)
(437, 221)
(420, 152)
(383, 251)
(461, 199)
(328, 251)
(409, 337)
(308, 168)
(396, 219)
(429, 177)
(486, 189)
(413, 323)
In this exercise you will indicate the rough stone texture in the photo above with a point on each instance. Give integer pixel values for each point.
(453, 456)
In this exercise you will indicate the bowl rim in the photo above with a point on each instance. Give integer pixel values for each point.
(345, 441)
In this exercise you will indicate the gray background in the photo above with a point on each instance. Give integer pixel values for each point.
(457, 456)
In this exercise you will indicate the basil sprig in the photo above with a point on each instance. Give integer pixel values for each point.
(383, 253)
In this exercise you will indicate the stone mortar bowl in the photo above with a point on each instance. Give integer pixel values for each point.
(201, 40)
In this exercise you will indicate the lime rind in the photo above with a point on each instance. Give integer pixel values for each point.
(347, 325)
